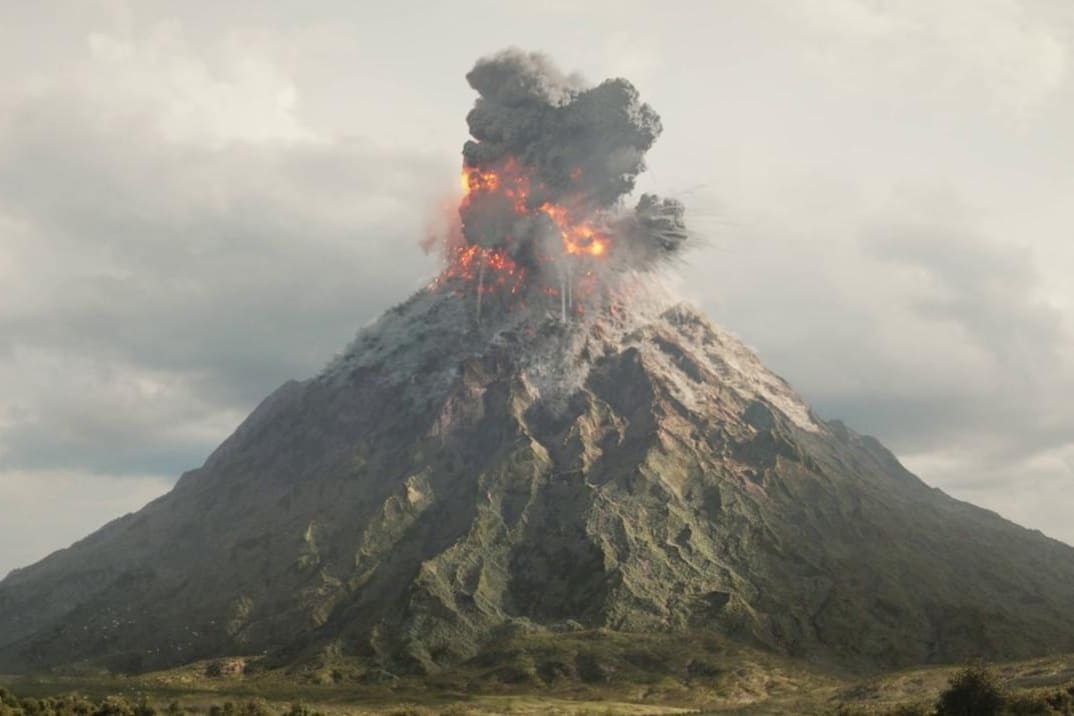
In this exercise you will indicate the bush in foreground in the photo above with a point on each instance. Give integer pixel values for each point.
(976, 691)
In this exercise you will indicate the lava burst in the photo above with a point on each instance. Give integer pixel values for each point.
(543, 181)
(470, 263)
(579, 237)
(513, 184)
(522, 208)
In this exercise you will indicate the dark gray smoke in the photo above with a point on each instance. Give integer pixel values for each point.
(565, 155)
(657, 228)
(589, 143)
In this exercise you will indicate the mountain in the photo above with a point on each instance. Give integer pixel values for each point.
(447, 481)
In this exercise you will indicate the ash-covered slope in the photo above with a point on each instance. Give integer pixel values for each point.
(444, 481)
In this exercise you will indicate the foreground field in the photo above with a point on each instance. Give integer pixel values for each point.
(595, 674)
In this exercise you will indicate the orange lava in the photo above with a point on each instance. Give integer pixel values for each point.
(579, 236)
(492, 269)
(489, 268)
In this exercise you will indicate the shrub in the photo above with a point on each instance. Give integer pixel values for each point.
(246, 708)
(974, 691)
(299, 709)
(114, 706)
(1029, 706)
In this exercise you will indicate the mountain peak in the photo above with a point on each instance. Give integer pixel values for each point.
(447, 478)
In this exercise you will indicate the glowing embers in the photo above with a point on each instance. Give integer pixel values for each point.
(508, 181)
(489, 269)
(474, 180)
(511, 182)
(516, 235)
(579, 238)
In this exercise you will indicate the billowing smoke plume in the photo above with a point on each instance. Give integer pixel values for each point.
(545, 175)
(586, 144)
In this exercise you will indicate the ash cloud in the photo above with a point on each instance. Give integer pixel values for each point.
(580, 148)
(550, 123)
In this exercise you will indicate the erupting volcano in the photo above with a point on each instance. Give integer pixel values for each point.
(538, 443)
(542, 217)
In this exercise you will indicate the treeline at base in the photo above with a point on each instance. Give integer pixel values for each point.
(79, 705)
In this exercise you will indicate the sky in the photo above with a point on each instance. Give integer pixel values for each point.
(199, 201)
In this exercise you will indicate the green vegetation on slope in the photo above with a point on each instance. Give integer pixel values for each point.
(76, 704)
(150, 704)
(637, 675)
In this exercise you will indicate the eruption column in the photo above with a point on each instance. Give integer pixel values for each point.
(544, 177)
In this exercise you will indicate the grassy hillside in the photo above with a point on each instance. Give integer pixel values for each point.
(583, 673)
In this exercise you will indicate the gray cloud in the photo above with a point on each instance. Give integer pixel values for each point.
(925, 330)
(984, 291)
(212, 273)
(984, 294)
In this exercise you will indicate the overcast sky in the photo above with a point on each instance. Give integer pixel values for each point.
(199, 201)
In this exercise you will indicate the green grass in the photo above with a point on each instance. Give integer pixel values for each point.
(594, 673)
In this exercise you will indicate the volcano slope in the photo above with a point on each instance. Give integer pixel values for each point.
(443, 484)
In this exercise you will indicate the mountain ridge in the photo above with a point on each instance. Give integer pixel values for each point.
(446, 479)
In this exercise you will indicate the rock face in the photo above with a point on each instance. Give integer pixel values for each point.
(442, 482)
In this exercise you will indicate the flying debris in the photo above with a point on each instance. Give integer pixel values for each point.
(544, 180)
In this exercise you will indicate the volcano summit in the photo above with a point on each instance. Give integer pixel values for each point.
(542, 442)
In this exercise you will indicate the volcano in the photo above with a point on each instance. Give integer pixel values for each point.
(543, 442)
(439, 483)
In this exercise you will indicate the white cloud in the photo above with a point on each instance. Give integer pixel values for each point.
(240, 90)
(943, 51)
